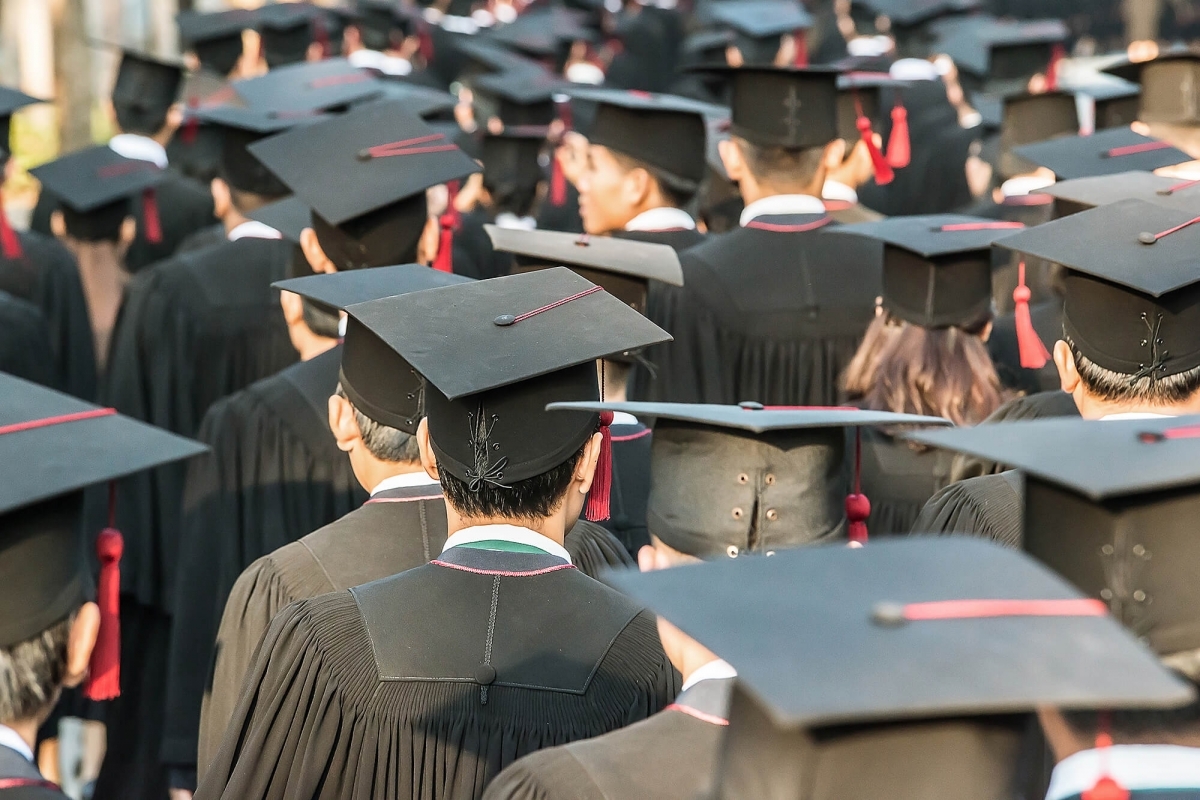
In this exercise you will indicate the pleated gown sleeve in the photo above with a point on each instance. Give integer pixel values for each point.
(594, 549)
(553, 774)
(990, 506)
(25, 343)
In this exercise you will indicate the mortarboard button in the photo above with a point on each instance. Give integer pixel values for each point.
(888, 615)
(485, 674)
(750, 405)
(504, 320)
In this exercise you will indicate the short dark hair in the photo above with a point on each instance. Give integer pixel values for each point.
(382, 441)
(142, 121)
(677, 191)
(531, 499)
(1145, 726)
(244, 201)
(1119, 387)
(32, 672)
(794, 166)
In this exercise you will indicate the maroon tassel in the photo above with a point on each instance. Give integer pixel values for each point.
(425, 42)
(883, 172)
(150, 217)
(801, 57)
(191, 125)
(597, 509)
(10, 244)
(448, 222)
(858, 507)
(899, 149)
(1034, 354)
(104, 670)
(558, 184)
(1056, 56)
(1106, 788)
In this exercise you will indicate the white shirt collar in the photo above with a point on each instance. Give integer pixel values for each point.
(510, 221)
(418, 478)
(713, 670)
(1024, 185)
(624, 418)
(1134, 766)
(253, 229)
(661, 219)
(141, 148)
(782, 204)
(11, 739)
(1136, 415)
(836, 190)
(381, 62)
(508, 533)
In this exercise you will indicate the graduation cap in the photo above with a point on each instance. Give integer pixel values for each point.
(378, 381)
(511, 168)
(546, 32)
(1102, 153)
(1117, 104)
(290, 216)
(286, 29)
(913, 13)
(216, 37)
(424, 101)
(738, 480)
(145, 89)
(791, 108)
(706, 48)
(11, 101)
(521, 95)
(55, 446)
(1000, 56)
(241, 127)
(1132, 303)
(758, 25)
(379, 22)
(1029, 118)
(94, 187)
(1123, 535)
(364, 175)
(542, 333)
(1170, 88)
(622, 266)
(1080, 194)
(329, 85)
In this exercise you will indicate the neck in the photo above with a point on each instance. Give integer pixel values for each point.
(694, 660)
(309, 345)
(553, 527)
(649, 205)
(162, 137)
(375, 472)
(232, 219)
(27, 729)
(753, 191)
(1092, 407)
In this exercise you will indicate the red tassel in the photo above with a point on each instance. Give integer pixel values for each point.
(558, 184)
(448, 222)
(1106, 788)
(104, 672)
(597, 509)
(1056, 56)
(150, 217)
(425, 42)
(10, 244)
(883, 172)
(191, 125)
(801, 39)
(899, 149)
(1034, 354)
(858, 507)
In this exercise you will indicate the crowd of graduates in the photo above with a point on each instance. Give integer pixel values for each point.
(554, 399)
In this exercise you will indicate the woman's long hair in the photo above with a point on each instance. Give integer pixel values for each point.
(943, 372)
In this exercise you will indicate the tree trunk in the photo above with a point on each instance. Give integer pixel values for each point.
(72, 61)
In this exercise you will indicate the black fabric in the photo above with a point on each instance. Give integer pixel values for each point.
(630, 488)
(672, 141)
(681, 239)
(316, 719)
(562, 218)
(275, 474)
(1042, 405)
(785, 107)
(379, 382)
(989, 506)
(25, 349)
(1006, 354)
(593, 549)
(778, 328)
(46, 275)
(13, 765)
(899, 479)
(473, 254)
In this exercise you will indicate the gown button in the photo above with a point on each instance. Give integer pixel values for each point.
(485, 674)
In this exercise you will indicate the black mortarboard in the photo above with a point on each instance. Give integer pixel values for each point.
(736, 480)
(622, 266)
(545, 32)
(909, 13)
(241, 127)
(1170, 86)
(95, 186)
(1080, 194)
(216, 38)
(510, 161)
(364, 175)
(666, 132)
(145, 89)
(784, 107)
(541, 333)
(11, 101)
(424, 101)
(53, 446)
(380, 23)
(1132, 299)
(758, 25)
(936, 268)
(328, 85)
(1000, 56)
(1117, 104)
(379, 382)
(1029, 118)
(706, 48)
(518, 95)
(1102, 153)
(1124, 534)
(286, 30)
(290, 216)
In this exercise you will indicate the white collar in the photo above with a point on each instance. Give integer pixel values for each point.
(712, 671)
(1135, 415)
(510, 221)
(140, 148)
(253, 229)
(781, 204)
(1024, 185)
(380, 62)
(836, 190)
(624, 418)
(1134, 766)
(508, 533)
(418, 478)
(661, 219)
(12, 740)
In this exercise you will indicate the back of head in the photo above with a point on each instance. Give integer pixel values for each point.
(388, 235)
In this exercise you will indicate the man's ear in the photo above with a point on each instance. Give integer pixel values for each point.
(425, 446)
(343, 424)
(58, 224)
(314, 254)
(585, 470)
(128, 231)
(1068, 374)
(222, 197)
(637, 186)
(733, 159)
(80, 642)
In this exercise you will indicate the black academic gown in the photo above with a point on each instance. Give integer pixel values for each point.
(899, 480)
(22, 779)
(428, 683)
(679, 238)
(990, 506)
(670, 756)
(1047, 320)
(564, 217)
(25, 343)
(630, 491)
(47, 276)
(184, 207)
(474, 255)
(275, 474)
(1043, 405)
(770, 313)
(192, 330)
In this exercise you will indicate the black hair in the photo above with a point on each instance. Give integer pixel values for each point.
(32, 671)
(144, 121)
(101, 224)
(382, 441)
(531, 499)
(1122, 388)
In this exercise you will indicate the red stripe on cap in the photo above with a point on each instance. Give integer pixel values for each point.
(564, 301)
(1182, 432)
(979, 226)
(408, 147)
(1134, 149)
(986, 609)
(46, 422)
(803, 408)
(1178, 187)
(1154, 237)
(338, 80)
(124, 168)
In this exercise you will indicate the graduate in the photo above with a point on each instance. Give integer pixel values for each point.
(37, 269)
(25, 349)
(1166, 108)
(276, 473)
(143, 97)
(58, 632)
(557, 657)
(645, 164)
(780, 327)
